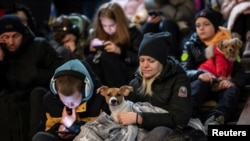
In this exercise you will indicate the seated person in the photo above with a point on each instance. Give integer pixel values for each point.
(71, 103)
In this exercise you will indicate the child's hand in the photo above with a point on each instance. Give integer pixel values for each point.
(64, 133)
(67, 118)
(111, 47)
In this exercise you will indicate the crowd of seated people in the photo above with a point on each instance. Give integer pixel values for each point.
(109, 42)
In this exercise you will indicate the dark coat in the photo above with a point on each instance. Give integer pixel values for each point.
(194, 50)
(166, 90)
(32, 65)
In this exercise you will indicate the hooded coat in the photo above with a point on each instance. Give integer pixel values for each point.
(166, 90)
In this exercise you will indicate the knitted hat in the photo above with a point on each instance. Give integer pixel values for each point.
(213, 16)
(11, 22)
(156, 45)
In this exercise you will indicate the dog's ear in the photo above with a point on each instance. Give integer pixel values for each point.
(220, 45)
(238, 42)
(102, 90)
(125, 90)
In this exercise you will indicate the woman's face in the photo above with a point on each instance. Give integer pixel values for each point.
(149, 66)
(108, 25)
(72, 101)
(204, 28)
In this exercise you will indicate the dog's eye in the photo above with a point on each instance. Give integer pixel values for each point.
(109, 95)
(119, 94)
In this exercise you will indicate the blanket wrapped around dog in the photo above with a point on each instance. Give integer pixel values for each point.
(104, 128)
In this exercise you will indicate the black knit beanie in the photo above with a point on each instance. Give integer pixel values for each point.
(213, 16)
(11, 22)
(156, 45)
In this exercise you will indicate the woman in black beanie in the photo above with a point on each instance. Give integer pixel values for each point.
(161, 81)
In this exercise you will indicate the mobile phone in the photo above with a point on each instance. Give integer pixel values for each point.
(99, 47)
(2, 45)
(69, 110)
(153, 13)
(63, 132)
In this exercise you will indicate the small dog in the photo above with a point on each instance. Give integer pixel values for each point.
(230, 48)
(220, 59)
(115, 98)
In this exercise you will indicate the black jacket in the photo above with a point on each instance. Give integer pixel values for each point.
(32, 65)
(194, 54)
(166, 88)
(86, 111)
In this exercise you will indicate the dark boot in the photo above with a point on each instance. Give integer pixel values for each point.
(220, 120)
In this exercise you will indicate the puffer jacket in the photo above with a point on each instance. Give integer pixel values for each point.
(194, 54)
(166, 89)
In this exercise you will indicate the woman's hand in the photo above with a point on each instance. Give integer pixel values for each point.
(128, 118)
(68, 119)
(111, 47)
(94, 43)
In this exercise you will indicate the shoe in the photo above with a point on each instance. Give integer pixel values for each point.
(196, 124)
(219, 120)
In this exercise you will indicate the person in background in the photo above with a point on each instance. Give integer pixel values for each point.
(66, 38)
(71, 103)
(161, 81)
(174, 16)
(27, 63)
(25, 14)
(134, 10)
(113, 46)
(209, 32)
(237, 16)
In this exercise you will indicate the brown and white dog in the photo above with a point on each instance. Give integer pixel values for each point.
(115, 98)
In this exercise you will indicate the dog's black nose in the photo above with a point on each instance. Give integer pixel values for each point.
(113, 101)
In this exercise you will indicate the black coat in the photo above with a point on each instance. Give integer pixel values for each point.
(32, 65)
(194, 55)
(166, 88)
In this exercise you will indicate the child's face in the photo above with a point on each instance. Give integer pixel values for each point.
(72, 101)
(108, 25)
(204, 28)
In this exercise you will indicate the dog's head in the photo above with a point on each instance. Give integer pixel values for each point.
(230, 48)
(114, 96)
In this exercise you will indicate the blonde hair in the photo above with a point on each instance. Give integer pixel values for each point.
(112, 11)
(146, 86)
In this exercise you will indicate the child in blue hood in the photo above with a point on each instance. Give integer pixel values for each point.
(71, 102)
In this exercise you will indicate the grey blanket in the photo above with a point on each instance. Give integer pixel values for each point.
(104, 128)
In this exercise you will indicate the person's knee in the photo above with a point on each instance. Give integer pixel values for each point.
(161, 131)
(44, 136)
(37, 93)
